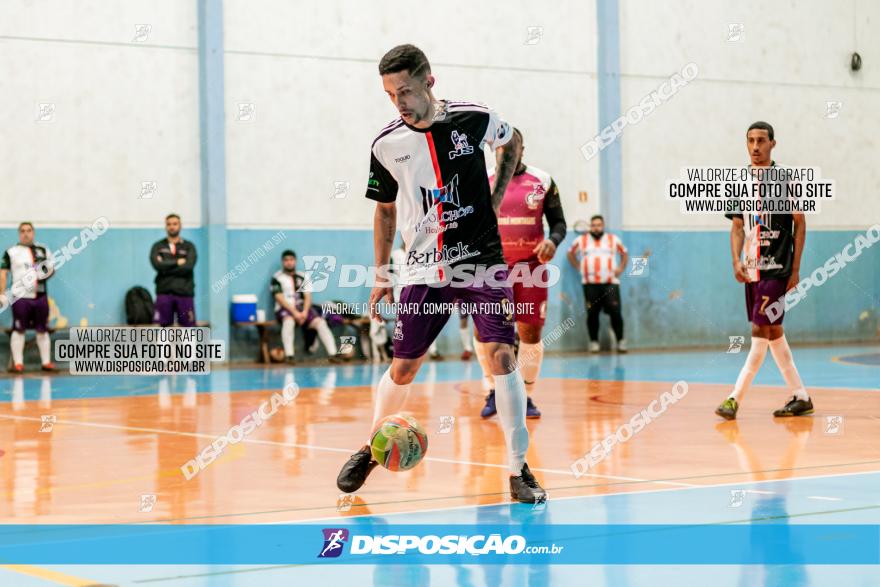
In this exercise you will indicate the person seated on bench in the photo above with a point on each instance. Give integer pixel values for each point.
(293, 307)
(31, 265)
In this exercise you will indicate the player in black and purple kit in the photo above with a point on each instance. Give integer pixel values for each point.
(428, 178)
(766, 249)
(174, 259)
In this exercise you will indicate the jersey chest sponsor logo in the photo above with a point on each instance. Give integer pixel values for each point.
(534, 197)
(448, 194)
(445, 255)
(460, 144)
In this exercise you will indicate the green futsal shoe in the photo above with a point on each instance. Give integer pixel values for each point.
(727, 409)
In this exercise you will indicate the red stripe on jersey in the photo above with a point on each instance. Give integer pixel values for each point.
(436, 164)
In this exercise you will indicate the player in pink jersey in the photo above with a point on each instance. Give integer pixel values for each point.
(530, 196)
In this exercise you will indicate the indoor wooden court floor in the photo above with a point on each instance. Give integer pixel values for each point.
(117, 439)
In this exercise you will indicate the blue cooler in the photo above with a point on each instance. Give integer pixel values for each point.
(244, 308)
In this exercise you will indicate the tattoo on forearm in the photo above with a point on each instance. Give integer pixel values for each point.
(505, 165)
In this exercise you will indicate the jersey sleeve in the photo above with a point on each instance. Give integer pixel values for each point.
(275, 286)
(498, 131)
(575, 246)
(6, 262)
(555, 216)
(618, 245)
(381, 186)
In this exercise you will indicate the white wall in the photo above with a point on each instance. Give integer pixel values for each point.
(310, 70)
(125, 112)
(794, 57)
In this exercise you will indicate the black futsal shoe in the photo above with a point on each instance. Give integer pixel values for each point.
(525, 489)
(356, 470)
(795, 407)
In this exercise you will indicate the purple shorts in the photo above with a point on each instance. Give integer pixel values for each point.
(31, 313)
(765, 301)
(281, 314)
(418, 325)
(167, 305)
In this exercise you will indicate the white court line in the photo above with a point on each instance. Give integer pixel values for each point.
(342, 519)
(760, 492)
(823, 498)
(328, 448)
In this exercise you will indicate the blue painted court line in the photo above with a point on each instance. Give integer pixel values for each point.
(818, 369)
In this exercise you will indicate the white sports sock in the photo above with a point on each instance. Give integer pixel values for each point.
(510, 399)
(389, 397)
(754, 360)
(43, 345)
(432, 350)
(16, 345)
(483, 360)
(782, 355)
(325, 335)
(530, 357)
(288, 330)
(465, 334)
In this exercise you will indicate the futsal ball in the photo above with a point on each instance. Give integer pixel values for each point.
(398, 442)
(276, 355)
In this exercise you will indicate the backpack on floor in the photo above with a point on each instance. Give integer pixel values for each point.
(138, 306)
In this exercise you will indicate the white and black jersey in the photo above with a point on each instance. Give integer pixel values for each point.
(768, 249)
(290, 285)
(22, 259)
(437, 178)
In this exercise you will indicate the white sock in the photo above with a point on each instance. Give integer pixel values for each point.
(530, 357)
(510, 399)
(782, 355)
(325, 335)
(483, 360)
(754, 360)
(432, 350)
(43, 344)
(288, 329)
(16, 345)
(465, 334)
(389, 397)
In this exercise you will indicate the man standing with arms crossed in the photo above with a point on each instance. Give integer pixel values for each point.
(174, 259)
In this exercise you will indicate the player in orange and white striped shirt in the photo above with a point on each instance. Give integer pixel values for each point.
(595, 256)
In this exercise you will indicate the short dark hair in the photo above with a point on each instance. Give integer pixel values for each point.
(761, 125)
(405, 58)
(597, 217)
(288, 253)
(26, 223)
(172, 215)
(516, 130)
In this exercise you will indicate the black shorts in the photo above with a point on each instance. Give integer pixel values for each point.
(604, 295)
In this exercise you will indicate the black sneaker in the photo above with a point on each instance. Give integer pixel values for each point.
(795, 407)
(525, 488)
(356, 470)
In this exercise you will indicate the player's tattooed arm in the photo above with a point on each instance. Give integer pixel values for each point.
(505, 165)
(737, 238)
(384, 229)
(800, 237)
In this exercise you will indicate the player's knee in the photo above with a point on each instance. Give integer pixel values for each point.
(403, 373)
(529, 333)
(502, 359)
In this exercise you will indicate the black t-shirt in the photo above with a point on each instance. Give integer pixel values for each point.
(769, 243)
(437, 178)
